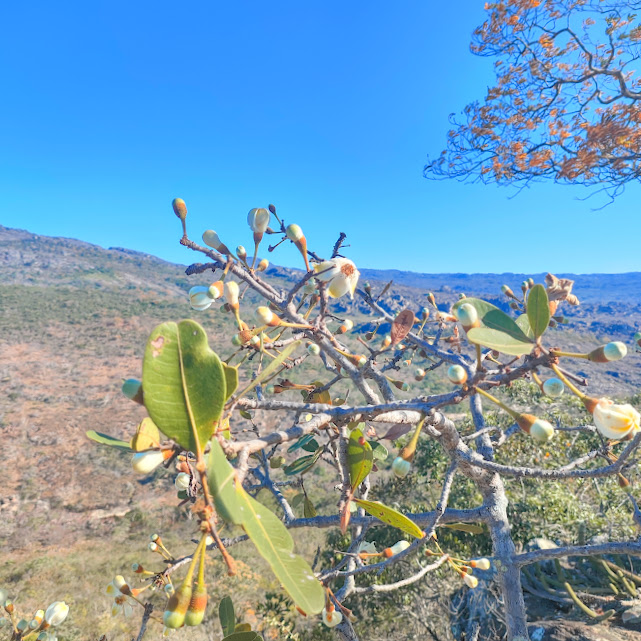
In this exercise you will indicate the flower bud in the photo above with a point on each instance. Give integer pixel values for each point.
(470, 580)
(541, 431)
(430, 297)
(241, 252)
(294, 232)
(507, 291)
(553, 387)
(182, 482)
(525, 285)
(174, 615)
(419, 374)
(199, 298)
(231, 293)
(132, 389)
(397, 548)
(331, 619)
(425, 313)
(313, 349)
(270, 389)
(148, 461)
(468, 316)
(37, 619)
(530, 282)
(401, 467)
(265, 316)
(56, 613)
(137, 568)
(262, 265)
(457, 374)
(210, 238)
(258, 220)
(514, 305)
(180, 208)
(615, 351)
(386, 342)
(197, 606)
(481, 564)
(346, 326)
(235, 340)
(216, 290)
(22, 625)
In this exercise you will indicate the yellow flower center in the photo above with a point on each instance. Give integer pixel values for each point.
(348, 270)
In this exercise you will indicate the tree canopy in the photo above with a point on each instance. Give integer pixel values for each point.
(566, 104)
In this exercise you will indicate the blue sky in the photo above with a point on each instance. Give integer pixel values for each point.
(327, 109)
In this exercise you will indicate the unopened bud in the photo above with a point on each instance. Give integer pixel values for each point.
(313, 349)
(174, 615)
(56, 613)
(481, 564)
(262, 265)
(468, 316)
(258, 220)
(146, 462)
(346, 326)
(197, 606)
(470, 580)
(541, 431)
(241, 252)
(216, 290)
(457, 374)
(132, 389)
(231, 293)
(553, 387)
(507, 291)
(266, 317)
(180, 208)
(401, 467)
(210, 238)
(419, 374)
(182, 482)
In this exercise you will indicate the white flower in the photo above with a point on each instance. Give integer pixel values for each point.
(615, 421)
(118, 589)
(366, 547)
(56, 613)
(331, 619)
(341, 274)
(146, 462)
(258, 220)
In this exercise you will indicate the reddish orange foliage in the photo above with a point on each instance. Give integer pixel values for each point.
(567, 100)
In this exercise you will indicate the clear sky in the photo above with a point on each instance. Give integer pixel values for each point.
(326, 109)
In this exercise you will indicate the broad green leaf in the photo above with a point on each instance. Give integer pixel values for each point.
(269, 370)
(271, 538)
(538, 310)
(524, 323)
(275, 544)
(319, 397)
(499, 341)
(146, 437)
(231, 380)
(309, 511)
(492, 317)
(227, 616)
(221, 478)
(243, 627)
(379, 450)
(470, 528)
(105, 439)
(297, 500)
(391, 517)
(302, 442)
(243, 636)
(303, 464)
(359, 458)
(184, 383)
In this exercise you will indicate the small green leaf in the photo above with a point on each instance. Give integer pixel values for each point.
(538, 310)
(105, 439)
(499, 341)
(303, 464)
(269, 370)
(391, 517)
(231, 379)
(492, 317)
(470, 528)
(524, 323)
(379, 450)
(359, 457)
(243, 627)
(302, 442)
(297, 500)
(184, 383)
(309, 511)
(227, 616)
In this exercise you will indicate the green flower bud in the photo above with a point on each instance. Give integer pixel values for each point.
(180, 208)
(401, 467)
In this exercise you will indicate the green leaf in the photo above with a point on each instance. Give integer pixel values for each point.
(492, 317)
(105, 439)
(309, 511)
(379, 450)
(271, 538)
(538, 310)
(184, 383)
(243, 627)
(391, 517)
(231, 380)
(268, 371)
(359, 458)
(303, 464)
(227, 616)
(524, 323)
(302, 442)
(221, 478)
(297, 500)
(499, 341)
(146, 437)
(470, 528)
(275, 544)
